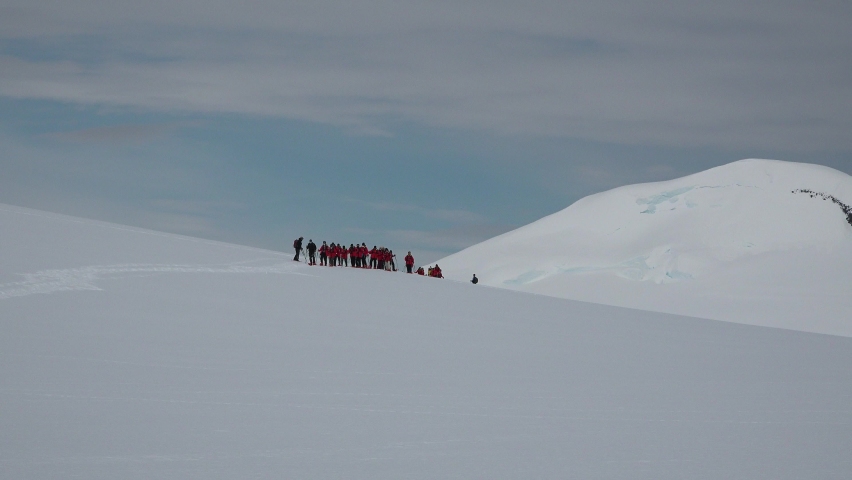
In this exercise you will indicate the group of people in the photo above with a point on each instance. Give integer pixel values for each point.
(339, 255)
(359, 256)
(431, 272)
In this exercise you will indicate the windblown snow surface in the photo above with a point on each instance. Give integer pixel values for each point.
(732, 243)
(130, 354)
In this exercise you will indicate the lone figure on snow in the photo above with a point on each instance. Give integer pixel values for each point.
(409, 262)
(474, 280)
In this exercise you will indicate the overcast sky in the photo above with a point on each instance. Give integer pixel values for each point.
(426, 126)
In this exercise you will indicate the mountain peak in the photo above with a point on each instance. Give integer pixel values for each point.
(648, 245)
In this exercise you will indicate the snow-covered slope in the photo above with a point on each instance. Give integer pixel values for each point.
(732, 243)
(129, 354)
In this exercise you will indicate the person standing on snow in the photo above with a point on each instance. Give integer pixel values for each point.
(373, 257)
(323, 250)
(365, 252)
(409, 262)
(332, 255)
(474, 280)
(312, 252)
(297, 244)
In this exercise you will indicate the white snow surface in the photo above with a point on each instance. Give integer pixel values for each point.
(732, 243)
(130, 354)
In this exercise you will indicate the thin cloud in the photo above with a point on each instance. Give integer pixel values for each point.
(117, 133)
(449, 239)
(726, 74)
(453, 216)
(196, 207)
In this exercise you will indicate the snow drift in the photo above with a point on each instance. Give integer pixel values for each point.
(130, 354)
(756, 241)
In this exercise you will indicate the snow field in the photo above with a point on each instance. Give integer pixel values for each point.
(132, 354)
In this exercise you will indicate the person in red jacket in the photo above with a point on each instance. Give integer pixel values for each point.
(323, 251)
(420, 271)
(436, 272)
(374, 257)
(362, 252)
(344, 256)
(355, 252)
(385, 260)
(409, 262)
(332, 255)
(391, 260)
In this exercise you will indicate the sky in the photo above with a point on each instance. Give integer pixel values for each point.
(425, 125)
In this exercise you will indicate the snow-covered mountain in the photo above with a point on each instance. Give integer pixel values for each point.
(131, 354)
(756, 241)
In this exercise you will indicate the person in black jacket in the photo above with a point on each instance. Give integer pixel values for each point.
(474, 280)
(298, 246)
(312, 252)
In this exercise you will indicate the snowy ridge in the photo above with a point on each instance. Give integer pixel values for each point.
(731, 243)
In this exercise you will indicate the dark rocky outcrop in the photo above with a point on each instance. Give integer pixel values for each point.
(846, 208)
